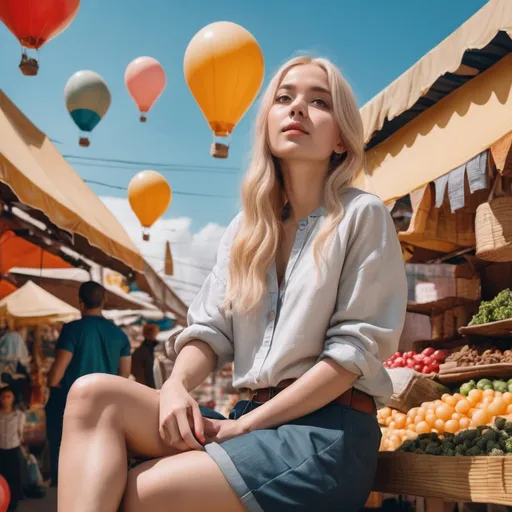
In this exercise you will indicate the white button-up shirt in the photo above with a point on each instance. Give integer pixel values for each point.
(352, 313)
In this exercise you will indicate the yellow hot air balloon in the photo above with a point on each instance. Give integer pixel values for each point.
(149, 196)
(224, 71)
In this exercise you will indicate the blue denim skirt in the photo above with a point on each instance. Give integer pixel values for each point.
(325, 461)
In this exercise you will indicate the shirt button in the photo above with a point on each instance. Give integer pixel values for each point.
(271, 316)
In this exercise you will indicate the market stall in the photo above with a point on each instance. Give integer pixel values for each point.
(438, 151)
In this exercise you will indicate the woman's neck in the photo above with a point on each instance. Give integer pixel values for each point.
(7, 409)
(304, 184)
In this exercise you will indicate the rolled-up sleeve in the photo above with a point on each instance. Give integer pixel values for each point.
(206, 319)
(372, 295)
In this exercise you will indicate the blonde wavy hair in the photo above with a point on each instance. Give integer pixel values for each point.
(254, 246)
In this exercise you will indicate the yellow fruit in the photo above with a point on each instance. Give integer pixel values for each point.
(476, 395)
(444, 412)
(422, 428)
(412, 412)
(507, 397)
(451, 426)
(464, 423)
(394, 412)
(489, 392)
(439, 425)
(481, 417)
(392, 425)
(497, 407)
(400, 419)
(385, 412)
(459, 397)
(450, 400)
(456, 416)
(463, 407)
(509, 409)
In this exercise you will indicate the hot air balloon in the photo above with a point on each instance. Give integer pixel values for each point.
(5, 494)
(149, 196)
(145, 80)
(35, 23)
(87, 100)
(224, 70)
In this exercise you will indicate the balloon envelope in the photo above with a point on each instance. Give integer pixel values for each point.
(224, 70)
(35, 22)
(87, 99)
(145, 80)
(149, 196)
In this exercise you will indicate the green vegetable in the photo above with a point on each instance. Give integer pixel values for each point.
(496, 452)
(508, 445)
(491, 445)
(482, 444)
(499, 308)
(499, 423)
(500, 386)
(419, 451)
(484, 384)
(467, 387)
(474, 452)
(408, 446)
(433, 449)
(490, 435)
(470, 434)
(460, 449)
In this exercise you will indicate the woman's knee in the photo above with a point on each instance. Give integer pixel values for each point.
(89, 394)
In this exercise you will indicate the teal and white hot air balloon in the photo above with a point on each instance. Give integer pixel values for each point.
(87, 99)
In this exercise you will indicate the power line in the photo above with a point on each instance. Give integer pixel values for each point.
(176, 192)
(160, 169)
(151, 164)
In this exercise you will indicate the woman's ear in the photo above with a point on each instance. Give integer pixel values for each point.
(340, 147)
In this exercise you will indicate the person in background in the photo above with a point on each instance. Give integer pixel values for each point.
(92, 344)
(12, 422)
(143, 357)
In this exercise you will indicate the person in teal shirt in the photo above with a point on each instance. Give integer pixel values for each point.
(92, 344)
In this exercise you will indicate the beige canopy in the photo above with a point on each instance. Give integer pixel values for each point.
(40, 177)
(403, 93)
(429, 122)
(31, 305)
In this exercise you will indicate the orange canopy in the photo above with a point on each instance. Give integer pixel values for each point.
(6, 288)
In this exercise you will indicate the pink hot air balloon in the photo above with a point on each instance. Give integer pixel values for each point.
(145, 80)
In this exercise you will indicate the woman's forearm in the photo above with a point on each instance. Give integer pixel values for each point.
(316, 388)
(193, 365)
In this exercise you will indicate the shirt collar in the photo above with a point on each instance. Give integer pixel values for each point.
(319, 212)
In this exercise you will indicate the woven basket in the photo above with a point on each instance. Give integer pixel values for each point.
(493, 226)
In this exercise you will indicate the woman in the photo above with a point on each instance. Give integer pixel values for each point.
(308, 297)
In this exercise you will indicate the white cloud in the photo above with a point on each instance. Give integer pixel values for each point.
(193, 253)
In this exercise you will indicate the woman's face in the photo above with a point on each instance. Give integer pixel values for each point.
(6, 399)
(301, 124)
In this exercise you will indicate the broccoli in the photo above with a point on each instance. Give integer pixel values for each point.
(508, 426)
(428, 437)
(424, 443)
(460, 449)
(448, 450)
(491, 445)
(408, 446)
(433, 449)
(419, 451)
(448, 435)
(448, 445)
(508, 445)
(490, 435)
(458, 439)
(474, 452)
(499, 423)
(503, 435)
(482, 444)
(470, 434)
(496, 452)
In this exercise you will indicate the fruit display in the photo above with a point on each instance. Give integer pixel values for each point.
(483, 353)
(499, 385)
(426, 362)
(494, 440)
(499, 308)
(450, 414)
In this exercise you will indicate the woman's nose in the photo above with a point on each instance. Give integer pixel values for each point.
(298, 109)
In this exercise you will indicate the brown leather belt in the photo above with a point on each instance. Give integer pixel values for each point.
(354, 398)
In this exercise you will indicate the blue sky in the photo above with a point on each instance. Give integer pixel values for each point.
(372, 41)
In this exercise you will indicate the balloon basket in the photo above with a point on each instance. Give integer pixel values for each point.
(145, 237)
(219, 150)
(28, 65)
(143, 118)
(84, 142)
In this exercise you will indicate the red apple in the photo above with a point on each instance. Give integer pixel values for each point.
(428, 351)
(410, 363)
(440, 355)
(400, 362)
(418, 367)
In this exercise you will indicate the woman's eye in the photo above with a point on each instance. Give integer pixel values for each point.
(283, 98)
(321, 102)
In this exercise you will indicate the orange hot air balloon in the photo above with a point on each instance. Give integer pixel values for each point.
(149, 196)
(34, 23)
(224, 71)
(145, 80)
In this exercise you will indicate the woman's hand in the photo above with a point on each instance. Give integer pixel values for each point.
(222, 430)
(180, 417)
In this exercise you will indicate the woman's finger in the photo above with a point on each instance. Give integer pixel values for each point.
(198, 422)
(173, 430)
(186, 431)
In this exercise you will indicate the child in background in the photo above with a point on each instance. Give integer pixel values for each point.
(12, 421)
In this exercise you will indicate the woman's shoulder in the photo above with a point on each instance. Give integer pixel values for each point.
(357, 200)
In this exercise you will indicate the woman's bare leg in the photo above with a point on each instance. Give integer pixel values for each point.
(190, 482)
(104, 416)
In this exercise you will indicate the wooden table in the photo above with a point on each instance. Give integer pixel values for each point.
(445, 479)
